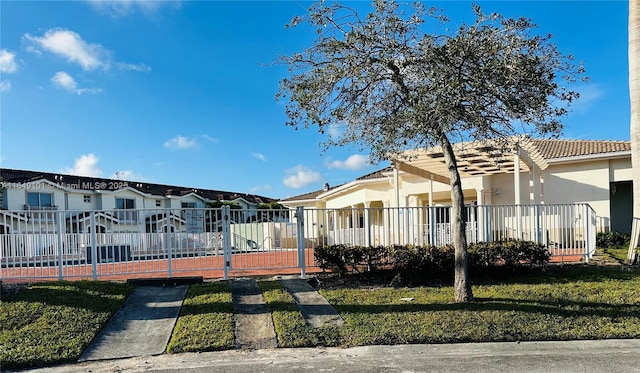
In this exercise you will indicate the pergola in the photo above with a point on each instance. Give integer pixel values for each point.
(479, 158)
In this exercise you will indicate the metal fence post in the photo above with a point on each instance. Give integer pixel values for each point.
(168, 240)
(93, 247)
(300, 244)
(226, 240)
(587, 221)
(59, 234)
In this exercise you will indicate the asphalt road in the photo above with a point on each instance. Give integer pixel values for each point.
(546, 357)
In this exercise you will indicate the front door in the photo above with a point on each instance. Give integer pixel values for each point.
(621, 206)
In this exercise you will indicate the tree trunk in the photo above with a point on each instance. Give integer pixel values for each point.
(634, 94)
(462, 284)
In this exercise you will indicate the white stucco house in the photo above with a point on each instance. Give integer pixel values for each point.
(592, 176)
(128, 206)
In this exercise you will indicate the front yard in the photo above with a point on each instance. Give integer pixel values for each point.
(51, 323)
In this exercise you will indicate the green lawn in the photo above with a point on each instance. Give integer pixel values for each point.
(575, 303)
(288, 322)
(206, 320)
(579, 303)
(51, 323)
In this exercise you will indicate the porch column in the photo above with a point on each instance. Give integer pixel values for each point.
(432, 214)
(516, 187)
(367, 223)
(355, 215)
(396, 182)
(386, 231)
(335, 227)
(516, 176)
(480, 229)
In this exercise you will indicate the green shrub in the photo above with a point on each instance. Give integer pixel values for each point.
(344, 258)
(412, 261)
(422, 259)
(509, 253)
(612, 240)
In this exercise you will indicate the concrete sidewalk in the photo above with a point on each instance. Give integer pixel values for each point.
(543, 357)
(141, 327)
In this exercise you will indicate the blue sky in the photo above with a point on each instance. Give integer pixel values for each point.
(182, 92)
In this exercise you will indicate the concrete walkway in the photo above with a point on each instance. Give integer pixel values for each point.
(543, 357)
(141, 327)
(315, 309)
(254, 326)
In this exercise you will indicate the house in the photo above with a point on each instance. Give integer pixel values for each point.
(549, 191)
(130, 205)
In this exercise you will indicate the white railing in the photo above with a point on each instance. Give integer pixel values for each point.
(567, 229)
(152, 240)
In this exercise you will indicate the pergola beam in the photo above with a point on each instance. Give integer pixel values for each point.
(402, 166)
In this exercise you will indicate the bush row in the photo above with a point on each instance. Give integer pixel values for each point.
(615, 240)
(431, 259)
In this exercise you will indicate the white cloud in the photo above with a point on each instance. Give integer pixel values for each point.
(209, 138)
(260, 188)
(260, 156)
(335, 131)
(354, 162)
(85, 165)
(71, 46)
(128, 175)
(5, 85)
(139, 67)
(589, 93)
(180, 142)
(300, 176)
(121, 8)
(7, 62)
(65, 81)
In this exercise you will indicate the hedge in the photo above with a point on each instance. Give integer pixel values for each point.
(430, 259)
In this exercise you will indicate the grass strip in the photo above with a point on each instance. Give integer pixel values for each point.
(52, 323)
(206, 320)
(291, 329)
(583, 304)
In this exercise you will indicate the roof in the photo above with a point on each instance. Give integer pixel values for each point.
(310, 195)
(376, 174)
(551, 149)
(103, 184)
(486, 159)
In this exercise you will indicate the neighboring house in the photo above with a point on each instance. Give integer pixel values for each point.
(532, 172)
(133, 206)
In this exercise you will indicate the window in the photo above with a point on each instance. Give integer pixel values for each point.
(40, 200)
(87, 199)
(188, 205)
(125, 203)
(158, 203)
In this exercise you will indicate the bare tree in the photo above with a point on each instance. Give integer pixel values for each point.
(397, 79)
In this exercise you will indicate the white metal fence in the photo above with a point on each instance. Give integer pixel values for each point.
(568, 229)
(99, 244)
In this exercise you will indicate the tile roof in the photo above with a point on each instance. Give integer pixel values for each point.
(376, 174)
(548, 149)
(551, 149)
(95, 183)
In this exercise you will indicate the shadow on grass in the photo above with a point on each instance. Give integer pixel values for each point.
(551, 274)
(89, 295)
(562, 308)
